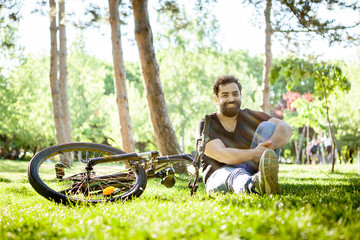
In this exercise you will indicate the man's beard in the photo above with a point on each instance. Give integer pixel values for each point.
(230, 112)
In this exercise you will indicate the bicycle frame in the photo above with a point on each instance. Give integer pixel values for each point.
(152, 158)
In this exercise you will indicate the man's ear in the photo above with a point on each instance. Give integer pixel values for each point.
(216, 99)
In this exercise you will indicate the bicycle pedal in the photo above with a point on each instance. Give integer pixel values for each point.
(165, 172)
(109, 191)
(168, 181)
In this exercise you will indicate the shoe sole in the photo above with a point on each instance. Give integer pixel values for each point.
(269, 167)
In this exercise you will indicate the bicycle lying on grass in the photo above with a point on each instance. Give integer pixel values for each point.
(88, 172)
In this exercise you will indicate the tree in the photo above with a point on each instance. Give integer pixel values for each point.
(19, 127)
(307, 114)
(9, 17)
(26, 123)
(188, 29)
(345, 113)
(96, 13)
(327, 77)
(164, 134)
(140, 119)
(63, 72)
(54, 83)
(289, 18)
(265, 104)
(120, 77)
(92, 107)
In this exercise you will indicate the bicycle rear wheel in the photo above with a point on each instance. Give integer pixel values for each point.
(58, 173)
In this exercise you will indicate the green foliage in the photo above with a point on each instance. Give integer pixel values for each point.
(9, 17)
(187, 85)
(318, 17)
(187, 28)
(327, 78)
(297, 24)
(307, 113)
(26, 106)
(26, 118)
(315, 205)
(344, 111)
(324, 79)
(90, 100)
(279, 83)
(139, 113)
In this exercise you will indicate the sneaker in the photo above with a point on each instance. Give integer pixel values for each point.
(266, 180)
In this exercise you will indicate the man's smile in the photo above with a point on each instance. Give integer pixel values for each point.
(232, 104)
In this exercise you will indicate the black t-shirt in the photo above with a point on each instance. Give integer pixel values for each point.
(241, 138)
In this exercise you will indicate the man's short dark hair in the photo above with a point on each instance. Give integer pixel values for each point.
(222, 80)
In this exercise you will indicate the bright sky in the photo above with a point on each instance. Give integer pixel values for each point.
(236, 32)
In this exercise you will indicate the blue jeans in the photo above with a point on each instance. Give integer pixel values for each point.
(237, 178)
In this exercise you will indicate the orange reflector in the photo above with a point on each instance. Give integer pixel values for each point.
(108, 190)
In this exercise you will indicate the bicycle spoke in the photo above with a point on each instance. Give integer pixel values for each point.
(75, 182)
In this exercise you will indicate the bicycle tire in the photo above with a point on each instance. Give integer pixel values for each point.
(47, 169)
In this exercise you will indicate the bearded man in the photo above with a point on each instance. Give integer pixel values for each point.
(242, 153)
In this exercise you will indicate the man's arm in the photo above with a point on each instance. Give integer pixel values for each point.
(281, 135)
(218, 151)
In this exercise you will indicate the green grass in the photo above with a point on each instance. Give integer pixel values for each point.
(315, 204)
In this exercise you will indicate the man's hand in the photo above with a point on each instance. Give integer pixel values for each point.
(270, 144)
(260, 149)
(217, 150)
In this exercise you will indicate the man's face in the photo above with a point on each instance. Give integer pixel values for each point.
(228, 99)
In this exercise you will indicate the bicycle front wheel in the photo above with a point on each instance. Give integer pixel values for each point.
(58, 173)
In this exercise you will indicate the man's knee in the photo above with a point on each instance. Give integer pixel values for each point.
(264, 131)
(267, 126)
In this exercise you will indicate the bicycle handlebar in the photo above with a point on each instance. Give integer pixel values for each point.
(180, 157)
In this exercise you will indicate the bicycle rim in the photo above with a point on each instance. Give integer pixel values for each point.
(58, 173)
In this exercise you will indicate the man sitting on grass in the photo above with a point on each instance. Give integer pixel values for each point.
(242, 153)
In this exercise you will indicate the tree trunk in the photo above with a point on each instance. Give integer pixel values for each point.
(358, 158)
(265, 105)
(120, 79)
(323, 155)
(63, 72)
(307, 153)
(299, 156)
(4, 149)
(164, 134)
(338, 147)
(294, 144)
(54, 84)
(333, 143)
(25, 151)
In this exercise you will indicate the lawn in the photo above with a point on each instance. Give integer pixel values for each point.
(315, 204)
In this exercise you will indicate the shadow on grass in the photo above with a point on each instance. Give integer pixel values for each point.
(350, 175)
(341, 190)
(313, 188)
(13, 166)
(335, 182)
(5, 180)
(321, 181)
